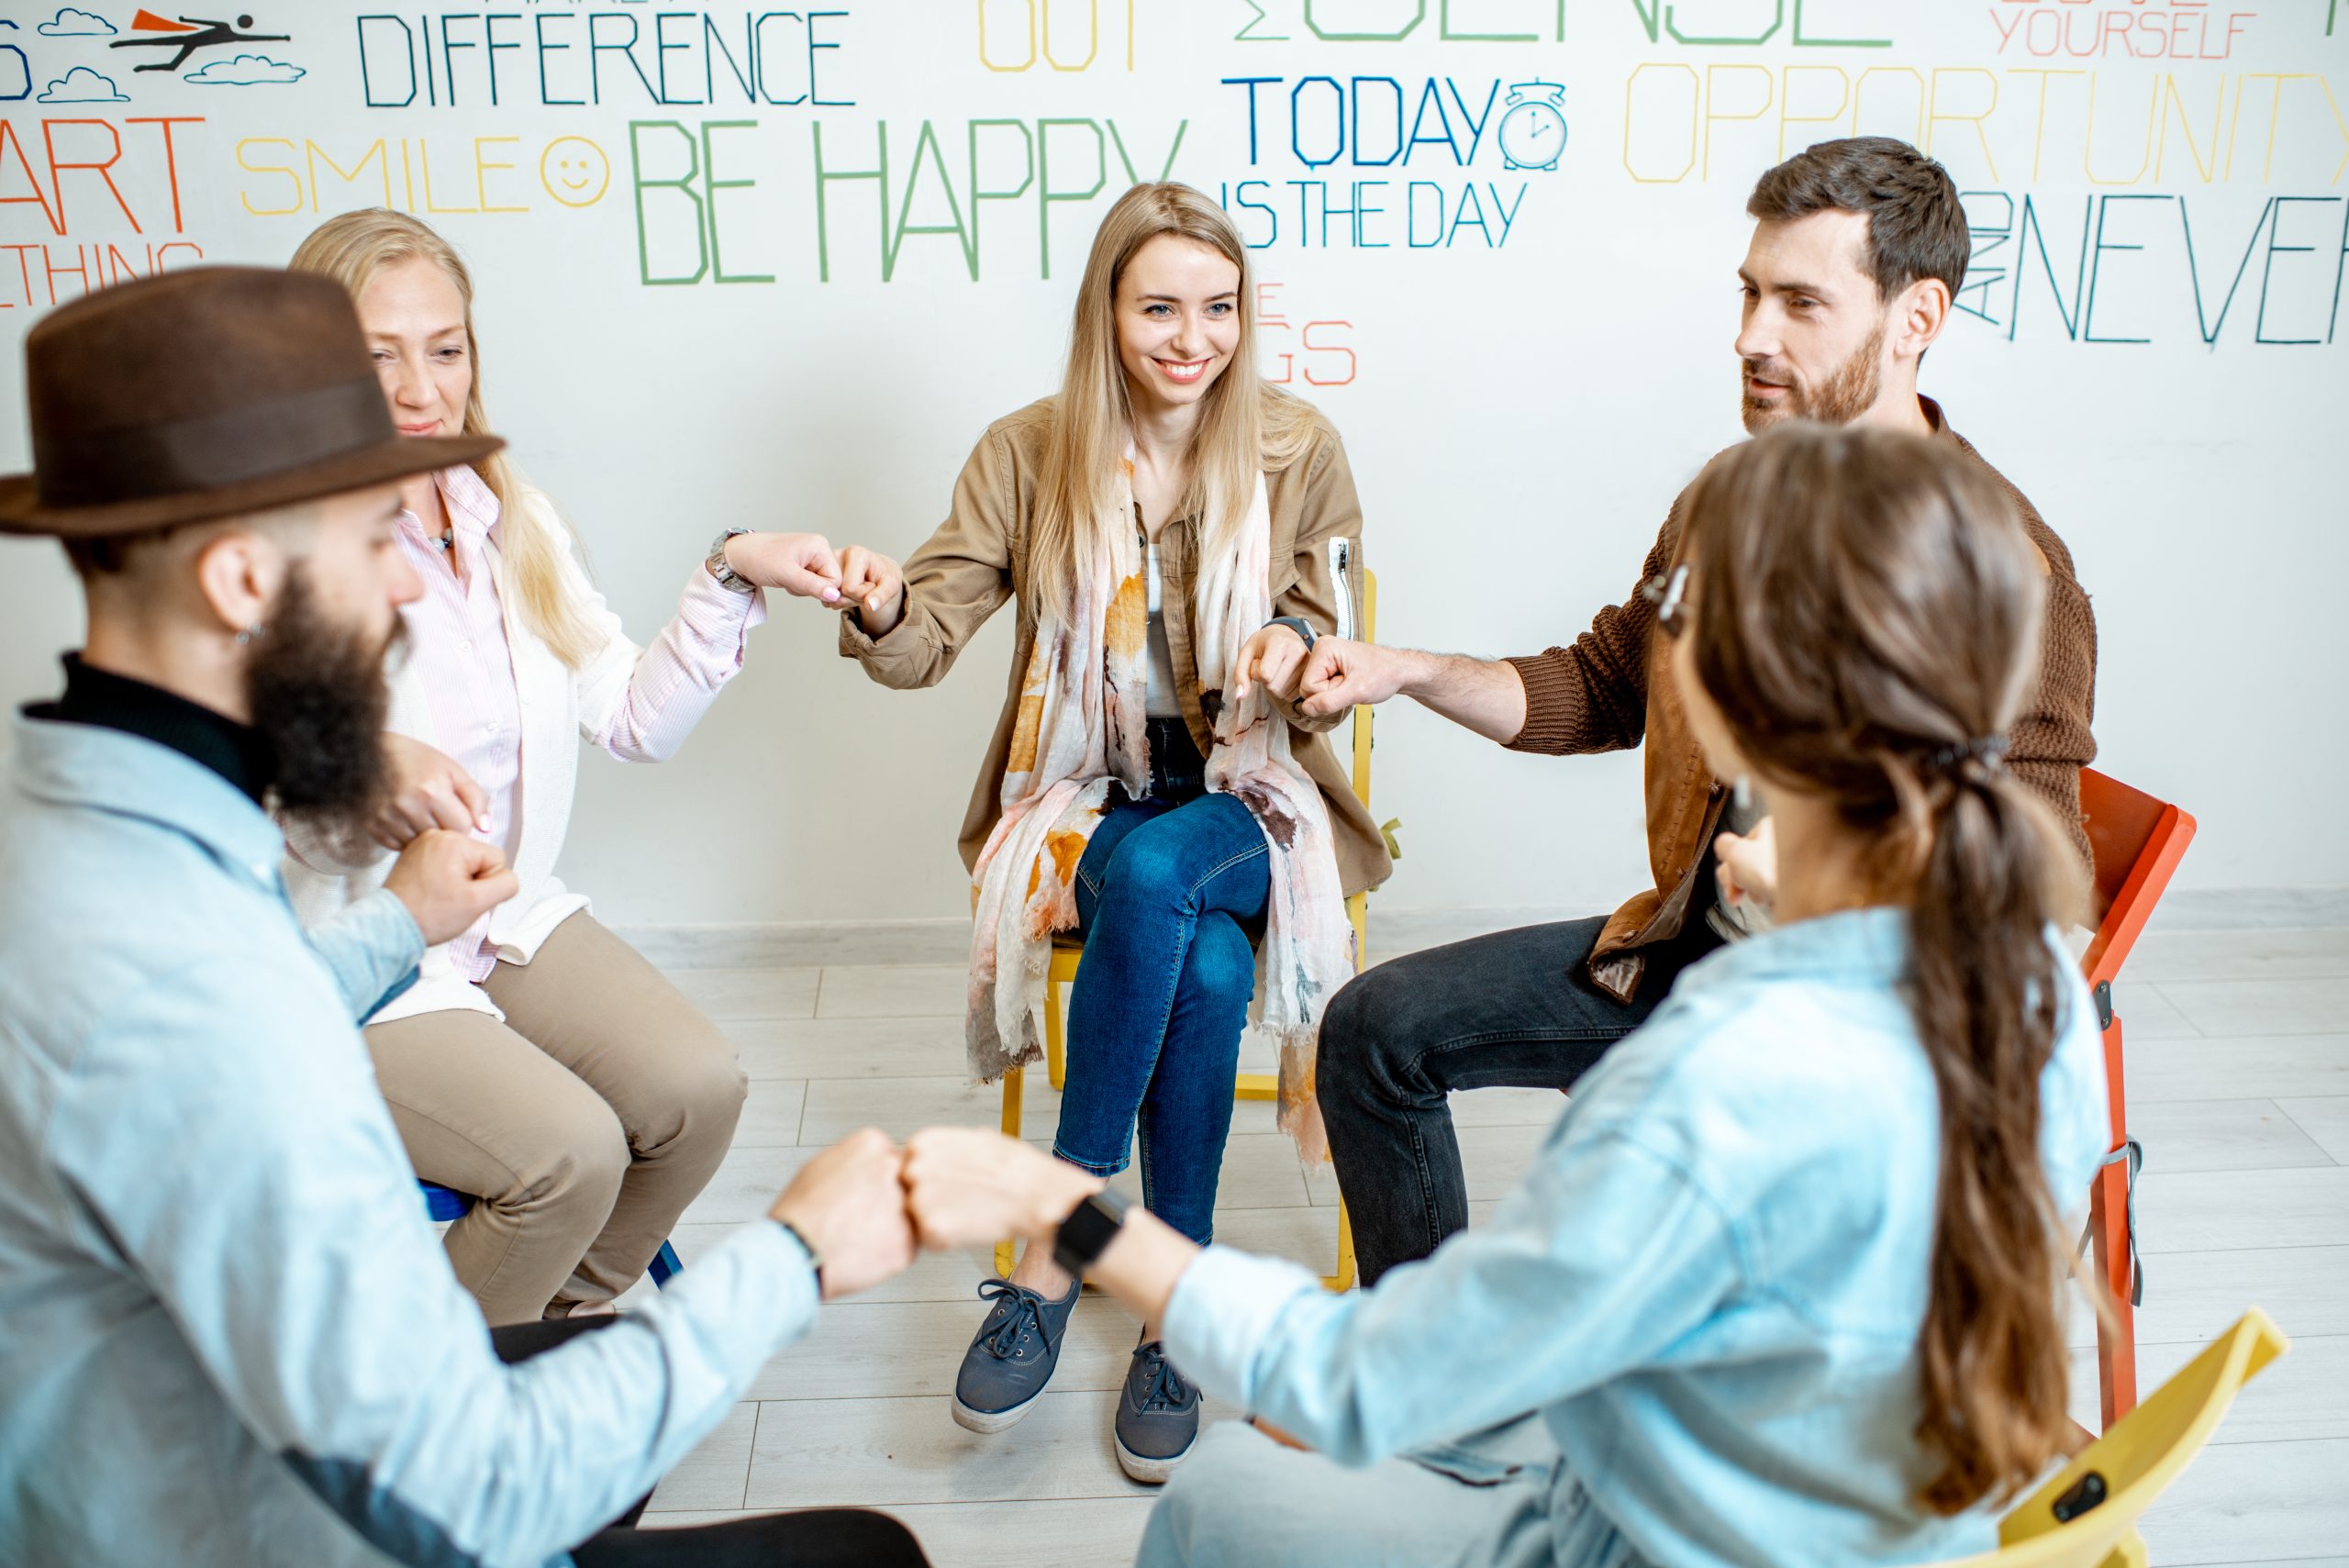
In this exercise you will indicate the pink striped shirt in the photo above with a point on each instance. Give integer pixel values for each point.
(457, 641)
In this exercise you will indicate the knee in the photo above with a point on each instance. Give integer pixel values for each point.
(1220, 964)
(1354, 1045)
(575, 1156)
(1150, 867)
(704, 1084)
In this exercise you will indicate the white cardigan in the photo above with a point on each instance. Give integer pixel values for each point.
(560, 708)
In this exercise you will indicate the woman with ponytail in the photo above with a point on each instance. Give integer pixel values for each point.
(539, 1064)
(1784, 1285)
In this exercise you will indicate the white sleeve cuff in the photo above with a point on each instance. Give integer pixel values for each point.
(1223, 1311)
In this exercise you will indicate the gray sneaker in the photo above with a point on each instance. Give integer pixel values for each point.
(1158, 1416)
(1012, 1357)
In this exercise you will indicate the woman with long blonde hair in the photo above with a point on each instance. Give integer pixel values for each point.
(539, 1064)
(1176, 532)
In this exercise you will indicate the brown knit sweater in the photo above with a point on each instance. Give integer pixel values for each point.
(1594, 696)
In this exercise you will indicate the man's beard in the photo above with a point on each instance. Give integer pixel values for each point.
(317, 696)
(1849, 391)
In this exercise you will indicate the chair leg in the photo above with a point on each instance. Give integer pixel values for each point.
(1055, 1036)
(2116, 1342)
(1011, 1087)
(1343, 1280)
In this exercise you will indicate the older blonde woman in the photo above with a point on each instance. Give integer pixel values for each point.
(1166, 525)
(539, 1063)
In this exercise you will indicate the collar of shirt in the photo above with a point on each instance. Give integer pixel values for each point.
(470, 502)
(96, 768)
(107, 701)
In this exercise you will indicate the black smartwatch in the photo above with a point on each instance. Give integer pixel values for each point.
(1086, 1233)
(1299, 625)
(815, 1259)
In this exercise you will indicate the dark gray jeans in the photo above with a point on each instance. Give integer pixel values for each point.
(1514, 1009)
(813, 1537)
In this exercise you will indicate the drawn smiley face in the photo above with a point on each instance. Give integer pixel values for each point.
(575, 171)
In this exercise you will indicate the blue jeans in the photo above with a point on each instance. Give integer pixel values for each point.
(1170, 892)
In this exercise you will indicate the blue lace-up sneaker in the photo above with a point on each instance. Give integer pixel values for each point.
(1158, 1416)
(1012, 1358)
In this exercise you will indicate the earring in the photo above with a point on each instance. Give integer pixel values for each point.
(1741, 792)
(247, 635)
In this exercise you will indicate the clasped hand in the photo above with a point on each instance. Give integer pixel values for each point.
(867, 1205)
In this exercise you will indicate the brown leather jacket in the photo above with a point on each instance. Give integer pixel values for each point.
(978, 558)
(1596, 696)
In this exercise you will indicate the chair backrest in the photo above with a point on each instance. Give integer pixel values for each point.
(2087, 1515)
(2137, 841)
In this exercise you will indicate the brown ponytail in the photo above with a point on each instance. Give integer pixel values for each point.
(1867, 619)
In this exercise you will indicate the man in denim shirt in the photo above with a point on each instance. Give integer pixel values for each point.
(231, 1337)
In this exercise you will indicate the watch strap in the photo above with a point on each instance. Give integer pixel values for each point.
(723, 573)
(1299, 625)
(1086, 1233)
(815, 1259)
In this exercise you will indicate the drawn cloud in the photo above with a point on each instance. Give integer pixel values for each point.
(82, 85)
(70, 23)
(245, 70)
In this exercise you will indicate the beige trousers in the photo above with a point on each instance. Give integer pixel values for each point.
(584, 1124)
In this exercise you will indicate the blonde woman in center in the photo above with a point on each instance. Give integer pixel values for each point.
(539, 1064)
(1174, 531)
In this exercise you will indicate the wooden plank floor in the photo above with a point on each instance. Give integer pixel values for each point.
(2238, 1074)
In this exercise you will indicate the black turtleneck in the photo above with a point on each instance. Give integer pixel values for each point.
(235, 751)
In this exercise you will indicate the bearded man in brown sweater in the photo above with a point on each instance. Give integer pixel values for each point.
(1859, 248)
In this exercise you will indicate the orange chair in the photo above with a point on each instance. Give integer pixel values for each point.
(2137, 843)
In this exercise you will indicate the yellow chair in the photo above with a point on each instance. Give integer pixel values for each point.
(1248, 1085)
(2086, 1517)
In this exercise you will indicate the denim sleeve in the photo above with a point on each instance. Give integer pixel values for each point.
(251, 1180)
(1607, 1254)
(371, 948)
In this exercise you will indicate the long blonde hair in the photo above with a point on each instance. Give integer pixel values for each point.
(351, 249)
(1245, 427)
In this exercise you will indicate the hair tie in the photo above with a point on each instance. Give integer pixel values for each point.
(1987, 749)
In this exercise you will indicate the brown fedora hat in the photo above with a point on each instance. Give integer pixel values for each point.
(203, 393)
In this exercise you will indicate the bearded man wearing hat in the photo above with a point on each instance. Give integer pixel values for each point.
(231, 1337)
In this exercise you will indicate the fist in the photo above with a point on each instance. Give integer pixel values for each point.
(967, 1185)
(1747, 868)
(429, 790)
(874, 586)
(449, 880)
(802, 565)
(850, 1203)
(1341, 673)
(1274, 658)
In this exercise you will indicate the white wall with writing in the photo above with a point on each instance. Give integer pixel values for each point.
(778, 268)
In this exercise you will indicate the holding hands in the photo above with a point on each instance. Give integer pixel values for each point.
(803, 565)
(873, 586)
(1274, 658)
(864, 1205)
(1341, 673)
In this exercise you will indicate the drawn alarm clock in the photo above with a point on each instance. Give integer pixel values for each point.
(1533, 126)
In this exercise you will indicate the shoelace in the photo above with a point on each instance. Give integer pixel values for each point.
(1165, 1388)
(1026, 1316)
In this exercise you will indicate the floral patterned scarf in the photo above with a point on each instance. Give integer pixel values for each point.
(1083, 724)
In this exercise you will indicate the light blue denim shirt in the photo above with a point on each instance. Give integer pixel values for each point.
(227, 1334)
(1709, 1285)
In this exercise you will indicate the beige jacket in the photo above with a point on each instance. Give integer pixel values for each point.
(978, 558)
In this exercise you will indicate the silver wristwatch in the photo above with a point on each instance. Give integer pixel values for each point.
(723, 573)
